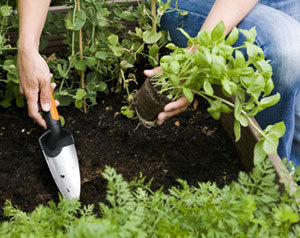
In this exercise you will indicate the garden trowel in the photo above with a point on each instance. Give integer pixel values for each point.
(59, 150)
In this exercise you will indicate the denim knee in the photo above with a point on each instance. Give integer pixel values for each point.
(279, 36)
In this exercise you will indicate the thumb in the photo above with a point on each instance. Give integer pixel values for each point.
(45, 97)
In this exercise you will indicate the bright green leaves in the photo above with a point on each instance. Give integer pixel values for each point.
(269, 143)
(113, 41)
(249, 34)
(232, 37)
(77, 22)
(151, 37)
(211, 60)
(218, 32)
(188, 94)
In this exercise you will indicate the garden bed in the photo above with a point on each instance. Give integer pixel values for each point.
(192, 146)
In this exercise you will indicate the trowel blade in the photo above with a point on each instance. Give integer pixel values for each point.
(65, 171)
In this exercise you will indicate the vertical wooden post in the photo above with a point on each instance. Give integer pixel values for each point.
(153, 9)
(82, 75)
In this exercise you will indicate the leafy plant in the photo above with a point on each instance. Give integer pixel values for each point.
(249, 207)
(215, 62)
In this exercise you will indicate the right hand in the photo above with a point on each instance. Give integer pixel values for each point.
(35, 80)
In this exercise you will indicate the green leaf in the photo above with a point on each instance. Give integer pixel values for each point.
(175, 67)
(60, 71)
(232, 37)
(188, 94)
(249, 34)
(237, 130)
(237, 110)
(80, 65)
(171, 46)
(80, 94)
(5, 10)
(277, 129)
(153, 51)
(253, 50)
(90, 61)
(62, 120)
(270, 144)
(151, 37)
(218, 31)
(80, 19)
(113, 40)
(244, 120)
(208, 88)
(78, 104)
(239, 61)
(269, 101)
(127, 111)
(103, 55)
(259, 153)
(204, 38)
(118, 51)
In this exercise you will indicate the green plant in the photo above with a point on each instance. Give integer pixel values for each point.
(216, 62)
(249, 207)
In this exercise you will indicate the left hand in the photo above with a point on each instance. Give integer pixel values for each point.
(172, 108)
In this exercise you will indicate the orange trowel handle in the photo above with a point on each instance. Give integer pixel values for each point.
(52, 117)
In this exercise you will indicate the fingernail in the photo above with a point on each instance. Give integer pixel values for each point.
(46, 107)
(148, 71)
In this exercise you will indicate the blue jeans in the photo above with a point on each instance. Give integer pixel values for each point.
(277, 24)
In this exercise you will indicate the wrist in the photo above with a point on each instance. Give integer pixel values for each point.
(27, 45)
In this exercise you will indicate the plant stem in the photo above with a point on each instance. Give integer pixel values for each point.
(82, 76)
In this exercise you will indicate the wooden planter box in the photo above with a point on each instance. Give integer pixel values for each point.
(249, 136)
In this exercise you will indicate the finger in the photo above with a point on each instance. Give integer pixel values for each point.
(33, 111)
(45, 95)
(165, 115)
(56, 103)
(150, 72)
(181, 102)
(52, 86)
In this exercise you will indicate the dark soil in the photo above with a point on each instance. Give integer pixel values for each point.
(192, 146)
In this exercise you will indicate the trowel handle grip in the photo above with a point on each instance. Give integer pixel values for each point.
(52, 117)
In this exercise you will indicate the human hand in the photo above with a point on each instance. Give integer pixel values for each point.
(172, 108)
(35, 80)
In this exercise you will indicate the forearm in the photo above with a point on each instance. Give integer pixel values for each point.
(230, 11)
(32, 15)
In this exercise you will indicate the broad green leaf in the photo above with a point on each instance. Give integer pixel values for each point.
(269, 86)
(188, 94)
(171, 46)
(90, 61)
(204, 38)
(270, 101)
(103, 55)
(218, 31)
(253, 50)
(113, 40)
(128, 15)
(116, 50)
(60, 71)
(175, 67)
(153, 51)
(218, 65)
(62, 120)
(80, 19)
(127, 111)
(277, 129)
(237, 110)
(225, 108)
(244, 120)
(270, 144)
(80, 65)
(239, 61)
(78, 104)
(80, 94)
(259, 153)
(208, 88)
(5, 10)
(151, 37)
(249, 34)
(264, 67)
(237, 130)
(232, 37)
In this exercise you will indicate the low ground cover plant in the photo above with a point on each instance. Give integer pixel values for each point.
(249, 207)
